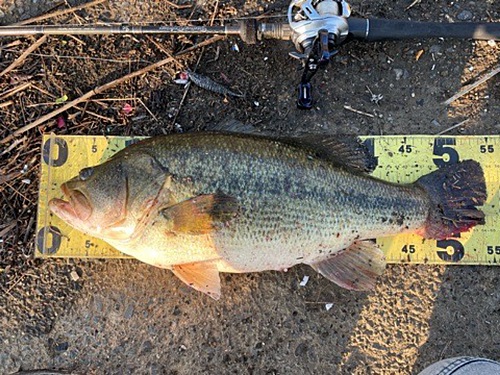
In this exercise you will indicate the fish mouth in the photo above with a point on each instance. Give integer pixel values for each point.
(76, 207)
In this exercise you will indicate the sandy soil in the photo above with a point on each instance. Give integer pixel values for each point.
(121, 317)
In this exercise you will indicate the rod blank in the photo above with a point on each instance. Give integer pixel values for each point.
(117, 29)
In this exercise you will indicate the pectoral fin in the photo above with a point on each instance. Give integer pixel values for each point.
(356, 267)
(204, 277)
(200, 215)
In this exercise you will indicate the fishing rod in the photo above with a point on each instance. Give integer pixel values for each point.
(316, 28)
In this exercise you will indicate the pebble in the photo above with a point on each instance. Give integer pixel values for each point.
(399, 74)
(62, 347)
(436, 123)
(129, 312)
(304, 281)
(74, 275)
(435, 49)
(465, 15)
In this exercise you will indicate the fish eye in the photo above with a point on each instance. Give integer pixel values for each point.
(86, 173)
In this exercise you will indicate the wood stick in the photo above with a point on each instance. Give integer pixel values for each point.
(453, 127)
(8, 228)
(59, 13)
(25, 54)
(349, 108)
(15, 90)
(472, 86)
(413, 4)
(103, 88)
(177, 6)
(13, 146)
(201, 44)
(6, 104)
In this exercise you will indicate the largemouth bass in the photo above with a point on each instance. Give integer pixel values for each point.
(204, 203)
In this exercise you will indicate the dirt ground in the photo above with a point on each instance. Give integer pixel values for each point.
(123, 317)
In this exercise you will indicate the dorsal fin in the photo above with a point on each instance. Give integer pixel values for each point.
(342, 150)
(233, 126)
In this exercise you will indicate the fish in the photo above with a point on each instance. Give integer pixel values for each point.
(217, 201)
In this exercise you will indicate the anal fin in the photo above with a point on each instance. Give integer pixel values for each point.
(356, 267)
(203, 276)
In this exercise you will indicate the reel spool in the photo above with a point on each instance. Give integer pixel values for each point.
(307, 17)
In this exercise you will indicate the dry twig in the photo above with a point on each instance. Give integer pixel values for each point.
(177, 6)
(472, 86)
(25, 54)
(14, 90)
(453, 127)
(349, 108)
(60, 12)
(6, 104)
(413, 4)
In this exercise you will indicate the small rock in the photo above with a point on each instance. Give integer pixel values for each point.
(304, 281)
(301, 350)
(491, 42)
(436, 49)
(465, 15)
(62, 347)
(399, 73)
(147, 346)
(260, 345)
(74, 275)
(129, 311)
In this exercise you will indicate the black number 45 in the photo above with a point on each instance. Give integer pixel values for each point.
(406, 149)
(408, 249)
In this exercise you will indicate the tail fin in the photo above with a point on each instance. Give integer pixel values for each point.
(454, 191)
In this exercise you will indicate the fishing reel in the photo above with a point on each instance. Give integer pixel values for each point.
(316, 28)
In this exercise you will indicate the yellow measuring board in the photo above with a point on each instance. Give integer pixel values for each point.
(400, 159)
